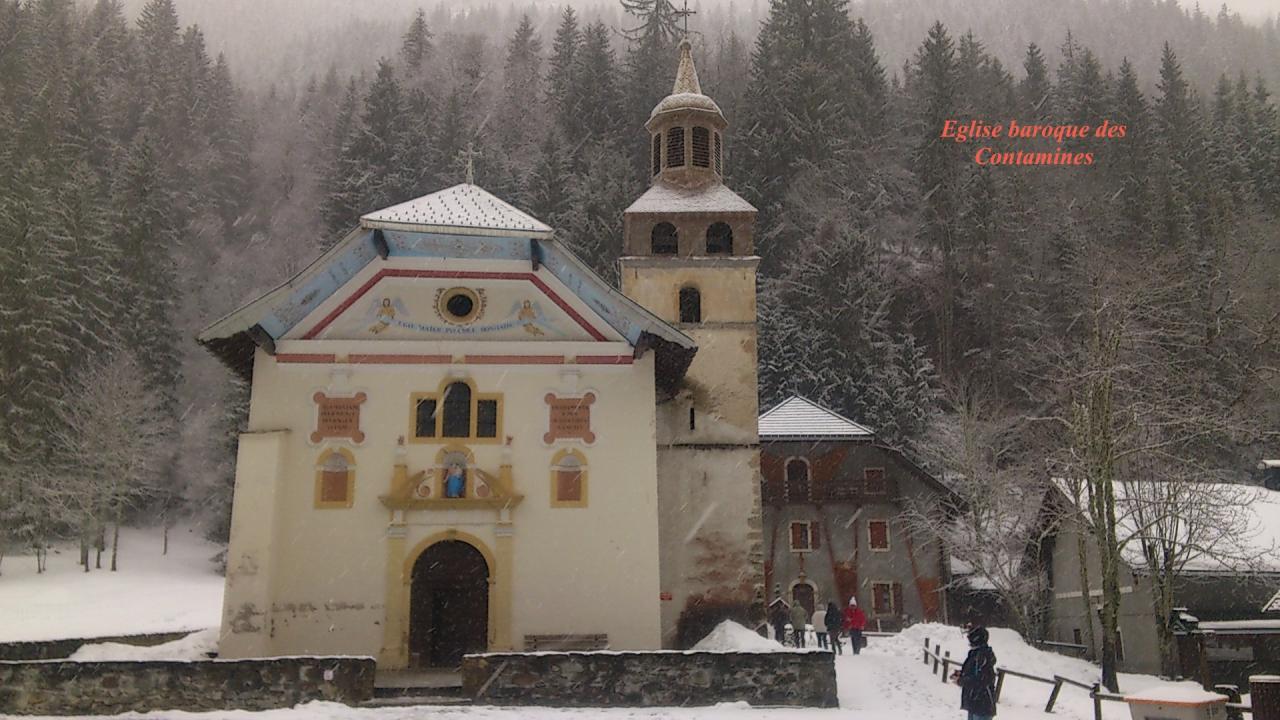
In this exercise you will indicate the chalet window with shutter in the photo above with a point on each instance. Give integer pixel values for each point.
(873, 481)
(701, 147)
(675, 147)
(878, 535)
(886, 598)
(806, 536)
(798, 480)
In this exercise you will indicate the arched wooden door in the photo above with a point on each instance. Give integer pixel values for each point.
(802, 593)
(448, 605)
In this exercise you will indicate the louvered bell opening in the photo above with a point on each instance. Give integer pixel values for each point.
(675, 147)
(701, 147)
(657, 153)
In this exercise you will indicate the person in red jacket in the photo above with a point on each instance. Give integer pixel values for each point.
(855, 621)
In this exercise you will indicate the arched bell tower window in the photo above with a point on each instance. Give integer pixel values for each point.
(675, 147)
(457, 410)
(690, 305)
(719, 239)
(657, 153)
(719, 162)
(701, 147)
(664, 239)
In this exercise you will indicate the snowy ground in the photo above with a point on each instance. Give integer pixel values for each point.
(150, 593)
(886, 682)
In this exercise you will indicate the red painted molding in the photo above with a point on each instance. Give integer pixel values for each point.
(400, 359)
(454, 275)
(306, 358)
(605, 359)
(515, 359)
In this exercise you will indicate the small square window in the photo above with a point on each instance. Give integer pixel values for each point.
(805, 536)
(569, 486)
(333, 486)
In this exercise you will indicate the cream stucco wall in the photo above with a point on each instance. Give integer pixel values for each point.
(320, 581)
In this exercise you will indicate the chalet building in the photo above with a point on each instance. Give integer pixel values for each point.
(461, 439)
(832, 499)
(1229, 601)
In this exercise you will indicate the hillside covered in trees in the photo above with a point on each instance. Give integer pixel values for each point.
(1123, 313)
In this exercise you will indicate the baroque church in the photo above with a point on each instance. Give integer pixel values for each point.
(461, 439)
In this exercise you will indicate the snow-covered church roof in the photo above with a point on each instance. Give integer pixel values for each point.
(666, 198)
(797, 418)
(463, 209)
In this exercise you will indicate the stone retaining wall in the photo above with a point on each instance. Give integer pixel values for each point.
(100, 688)
(592, 679)
(55, 649)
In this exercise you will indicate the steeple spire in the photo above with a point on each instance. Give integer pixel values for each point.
(687, 74)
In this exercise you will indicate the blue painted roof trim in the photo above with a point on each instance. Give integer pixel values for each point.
(280, 310)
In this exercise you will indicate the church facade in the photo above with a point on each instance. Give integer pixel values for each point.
(461, 439)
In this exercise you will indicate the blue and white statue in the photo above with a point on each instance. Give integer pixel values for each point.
(455, 482)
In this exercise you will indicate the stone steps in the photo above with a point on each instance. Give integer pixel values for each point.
(414, 700)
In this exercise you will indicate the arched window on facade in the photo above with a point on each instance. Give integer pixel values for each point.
(664, 239)
(457, 411)
(701, 147)
(657, 153)
(568, 479)
(675, 147)
(719, 239)
(690, 305)
(797, 480)
(335, 479)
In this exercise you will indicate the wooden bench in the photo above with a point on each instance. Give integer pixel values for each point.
(566, 643)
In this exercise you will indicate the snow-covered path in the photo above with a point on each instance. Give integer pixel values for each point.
(887, 682)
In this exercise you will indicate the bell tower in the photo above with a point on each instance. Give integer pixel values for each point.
(688, 257)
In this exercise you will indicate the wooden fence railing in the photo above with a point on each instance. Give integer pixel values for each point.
(941, 660)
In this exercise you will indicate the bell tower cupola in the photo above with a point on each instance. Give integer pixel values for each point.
(685, 131)
(688, 257)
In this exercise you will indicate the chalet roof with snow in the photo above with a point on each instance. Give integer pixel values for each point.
(463, 209)
(797, 418)
(462, 222)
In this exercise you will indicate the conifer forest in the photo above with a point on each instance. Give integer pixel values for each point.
(1116, 318)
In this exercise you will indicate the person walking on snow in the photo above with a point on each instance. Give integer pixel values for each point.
(977, 677)
(778, 619)
(834, 622)
(820, 626)
(855, 621)
(799, 618)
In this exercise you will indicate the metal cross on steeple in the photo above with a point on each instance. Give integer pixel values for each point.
(469, 155)
(683, 14)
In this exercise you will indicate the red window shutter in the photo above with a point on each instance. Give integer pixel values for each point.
(333, 485)
(815, 535)
(879, 531)
(897, 598)
(799, 536)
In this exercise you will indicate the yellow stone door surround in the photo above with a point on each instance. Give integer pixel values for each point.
(401, 503)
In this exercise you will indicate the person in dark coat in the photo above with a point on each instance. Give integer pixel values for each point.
(779, 613)
(834, 621)
(977, 677)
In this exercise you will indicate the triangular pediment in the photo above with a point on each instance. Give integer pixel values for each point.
(421, 299)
